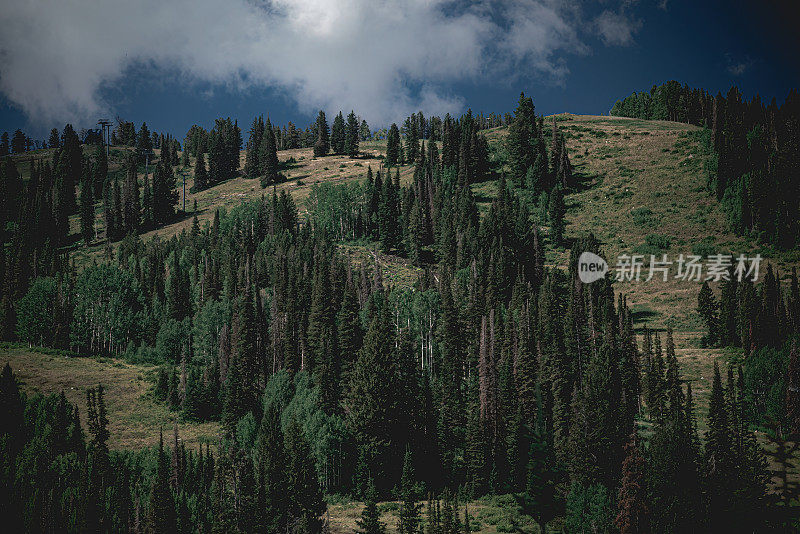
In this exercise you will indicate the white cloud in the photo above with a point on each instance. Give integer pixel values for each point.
(617, 28)
(738, 66)
(382, 58)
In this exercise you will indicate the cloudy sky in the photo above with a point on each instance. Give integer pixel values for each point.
(174, 63)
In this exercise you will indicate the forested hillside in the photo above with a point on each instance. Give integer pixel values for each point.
(397, 316)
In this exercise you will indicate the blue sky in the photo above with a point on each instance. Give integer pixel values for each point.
(180, 62)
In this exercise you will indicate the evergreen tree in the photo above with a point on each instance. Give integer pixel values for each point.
(306, 504)
(352, 136)
(522, 135)
(363, 131)
(268, 157)
(271, 470)
(409, 509)
(165, 194)
(87, 211)
(371, 408)
(252, 164)
(393, 146)
(54, 140)
(144, 143)
(338, 135)
(370, 522)
(201, 181)
(707, 308)
(633, 512)
(161, 515)
(322, 143)
(70, 159)
(556, 212)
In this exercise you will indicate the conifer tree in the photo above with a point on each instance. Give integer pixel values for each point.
(389, 216)
(322, 143)
(252, 164)
(370, 522)
(144, 142)
(393, 146)
(165, 195)
(718, 461)
(632, 508)
(271, 470)
(201, 181)
(71, 159)
(131, 210)
(87, 211)
(707, 308)
(793, 391)
(352, 136)
(409, 509)
(268, 157)
(53, 141)
(556, 212)
(370, 406)
(178, 295)
(306, 504)
(161, 515)
(338, 134)
(520, 140)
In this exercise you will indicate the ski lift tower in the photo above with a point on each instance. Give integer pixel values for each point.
(105, 124)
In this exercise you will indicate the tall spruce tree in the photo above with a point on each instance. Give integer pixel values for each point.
(370, 522)
(409, 509)
(351, 136)
(393, 146)
(338, 134)
(322, 144)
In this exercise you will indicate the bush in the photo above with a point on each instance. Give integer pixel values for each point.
(643, 217)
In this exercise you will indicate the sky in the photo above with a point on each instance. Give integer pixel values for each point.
(174, 63)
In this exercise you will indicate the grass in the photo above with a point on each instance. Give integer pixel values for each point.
(135, 417)
(489, 515)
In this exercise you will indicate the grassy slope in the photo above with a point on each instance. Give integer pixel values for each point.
(134, 415)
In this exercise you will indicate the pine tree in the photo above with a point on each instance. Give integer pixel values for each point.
(363, 131)
(268, 157)
(338, 134)
(306, 504)
(144, 143)
(370, 522)
(393, 146)
(793, 391)
(520, 140)
(161, 515)
(165, 195)
(352, 136)
(178, 298)
(252, 164)
(633, 512)
(718, 461)
(271, 470)
(556, 212)
(541, 499)
(409, 509)
(87, 211)
(71, 158)
(707, 308)
(201, 181)
(389, 216)
(371, 408)
(322, 143)
(53, 141)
